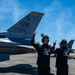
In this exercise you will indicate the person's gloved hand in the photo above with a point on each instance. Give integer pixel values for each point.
(42, 35)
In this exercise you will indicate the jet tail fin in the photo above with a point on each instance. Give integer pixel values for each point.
(26, 26)
(69, 45)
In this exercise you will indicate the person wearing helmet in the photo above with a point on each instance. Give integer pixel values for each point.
(62, 58)
(44, 51)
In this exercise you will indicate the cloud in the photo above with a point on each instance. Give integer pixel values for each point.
(59, 21)
(10, 9)
(51, 19)
(58, 17)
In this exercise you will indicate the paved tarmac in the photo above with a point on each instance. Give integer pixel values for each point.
(25, 64)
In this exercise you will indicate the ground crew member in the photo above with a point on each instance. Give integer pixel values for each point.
(62, 58)
(44, 51)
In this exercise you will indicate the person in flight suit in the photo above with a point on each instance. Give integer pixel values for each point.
(44, 51)
(62, 58)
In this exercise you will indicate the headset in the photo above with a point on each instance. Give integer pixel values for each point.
(63, 42)
(45, 36)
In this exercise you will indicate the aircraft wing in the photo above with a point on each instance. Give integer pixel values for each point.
(26, 46)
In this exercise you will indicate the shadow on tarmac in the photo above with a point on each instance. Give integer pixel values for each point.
(20, 68)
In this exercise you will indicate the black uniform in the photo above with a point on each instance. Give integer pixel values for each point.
(43, 60)
(62, 60)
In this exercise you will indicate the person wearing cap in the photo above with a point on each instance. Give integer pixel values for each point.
(62, 58)
(44, 51)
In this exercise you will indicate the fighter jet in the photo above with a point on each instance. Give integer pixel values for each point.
(16, 39)
(69, 45)
(71, 51)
